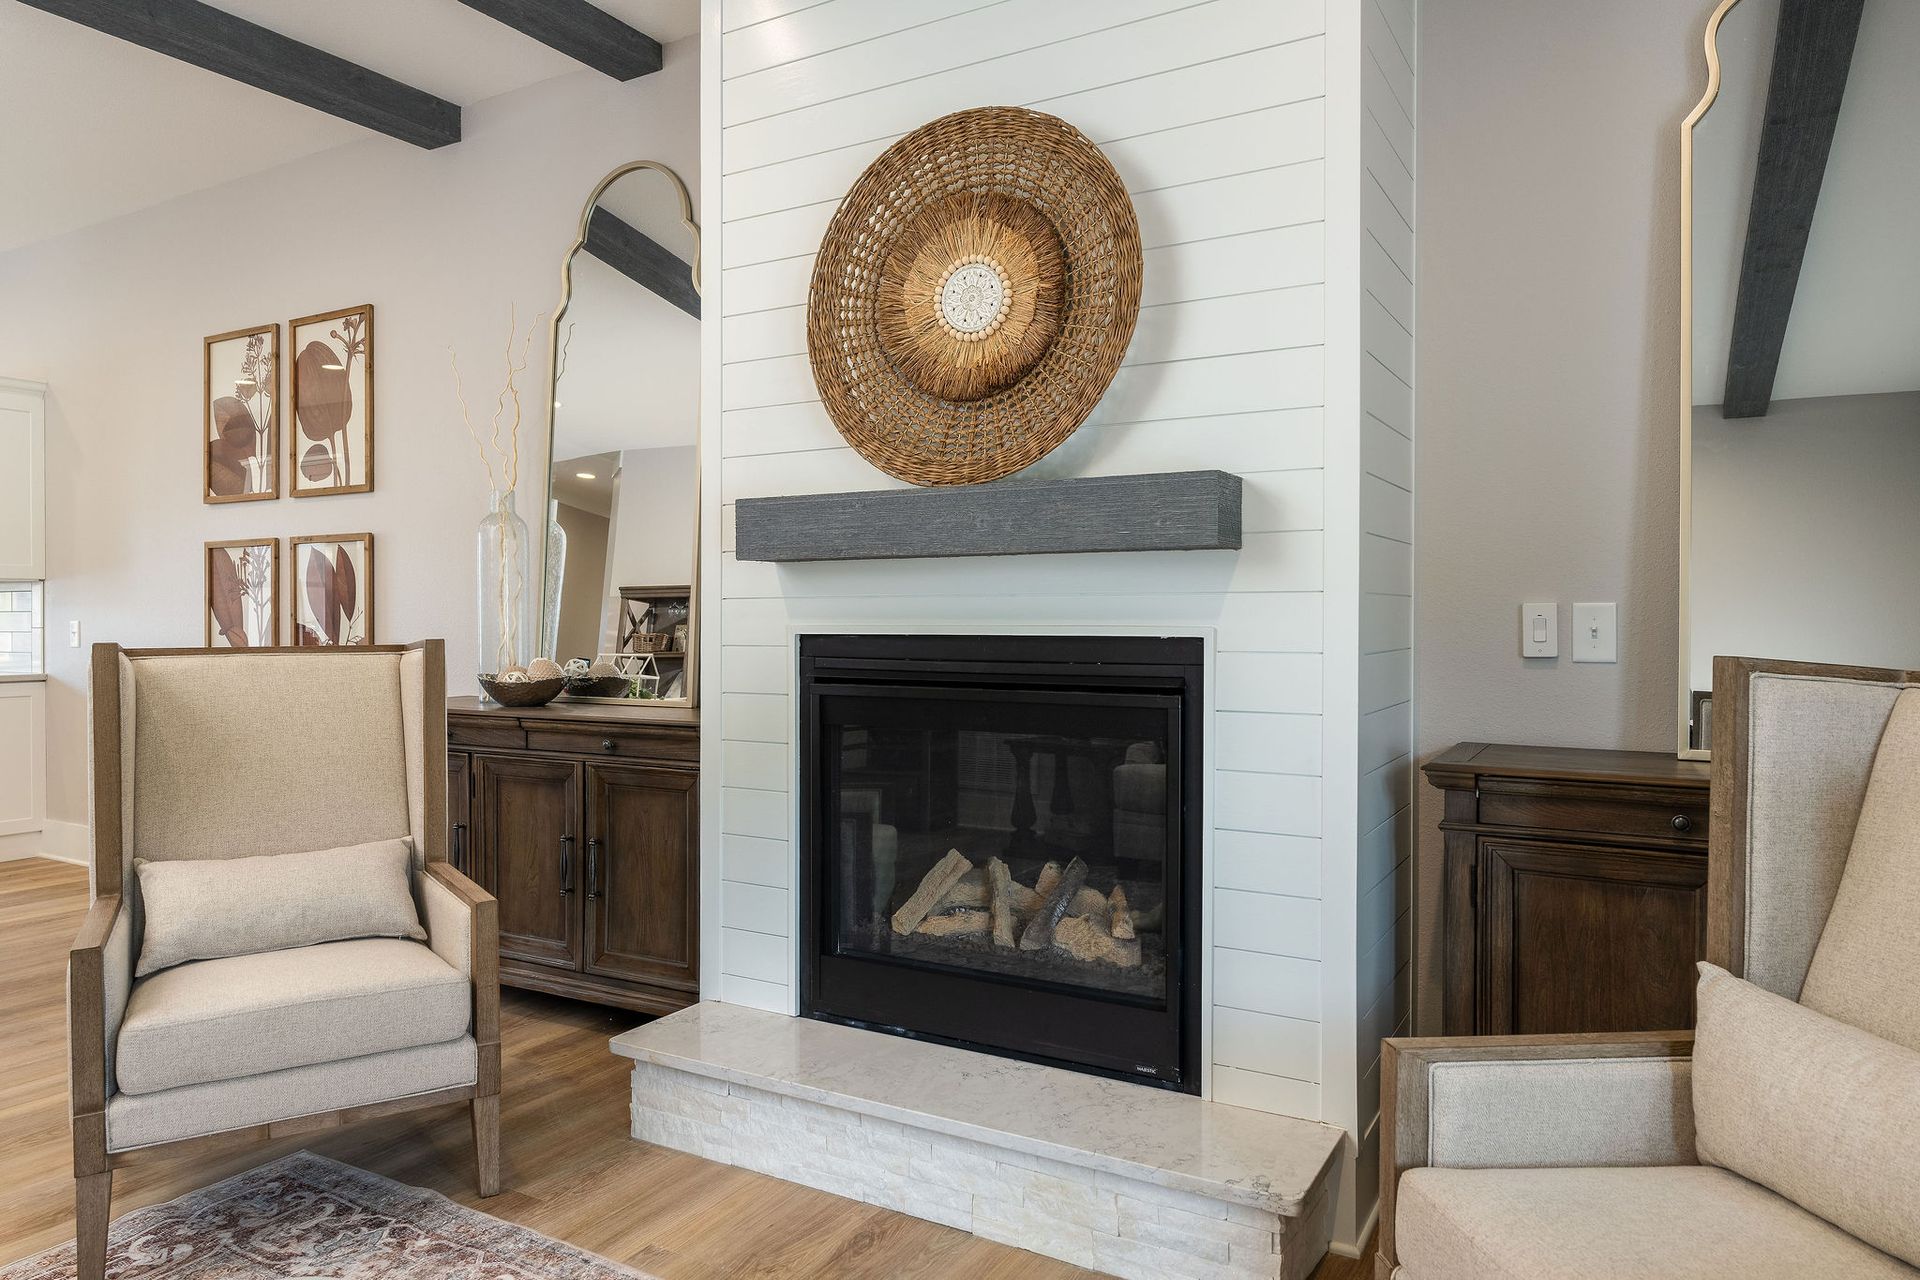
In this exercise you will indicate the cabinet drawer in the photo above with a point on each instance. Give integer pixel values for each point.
(616, 742)
(1679, 816)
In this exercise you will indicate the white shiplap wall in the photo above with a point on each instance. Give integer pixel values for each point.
(1215, 115)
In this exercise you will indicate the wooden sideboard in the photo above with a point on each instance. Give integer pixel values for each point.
(583, 820)
(1575, 889)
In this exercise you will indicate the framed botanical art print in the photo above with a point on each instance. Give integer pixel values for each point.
(239, 424)
(330, 437)
(243, 593)
(332, 587)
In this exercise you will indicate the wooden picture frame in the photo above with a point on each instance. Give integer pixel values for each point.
(242, 593)
(330, 584)
(240, 431)
(330, 395)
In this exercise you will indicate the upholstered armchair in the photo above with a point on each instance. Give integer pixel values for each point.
(1575, 1155)
(221, 754)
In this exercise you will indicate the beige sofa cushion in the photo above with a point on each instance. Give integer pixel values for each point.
(1824, 1113)
(1866, 970)
(245, 1015)
(1674, 1222)
(203, 910)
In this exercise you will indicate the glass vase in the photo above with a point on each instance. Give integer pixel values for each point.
(506, 598)
(556, 565)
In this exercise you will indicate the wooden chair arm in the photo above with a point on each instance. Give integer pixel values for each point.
(1406, 1062)
(485, 970)
(87, 1028)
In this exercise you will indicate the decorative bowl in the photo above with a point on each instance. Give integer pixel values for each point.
(522, 693)
(599, 686)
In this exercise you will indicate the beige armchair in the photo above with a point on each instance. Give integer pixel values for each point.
(1573, 1155)
(229, 753)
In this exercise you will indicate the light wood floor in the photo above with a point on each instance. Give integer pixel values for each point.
(569, 1170)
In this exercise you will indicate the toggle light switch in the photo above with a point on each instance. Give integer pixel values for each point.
(1596, 634)
(1540, 630)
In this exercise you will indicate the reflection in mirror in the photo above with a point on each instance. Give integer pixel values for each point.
(624, 496)
(1803, 436)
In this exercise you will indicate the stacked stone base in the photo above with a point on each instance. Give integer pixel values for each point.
(1089, 1217)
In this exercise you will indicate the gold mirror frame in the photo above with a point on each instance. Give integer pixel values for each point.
(553, 390)
(1684, 661)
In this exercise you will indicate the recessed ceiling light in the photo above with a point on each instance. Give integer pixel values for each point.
(585, 475)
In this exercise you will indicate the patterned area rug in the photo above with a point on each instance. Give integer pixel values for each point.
(307, 1216)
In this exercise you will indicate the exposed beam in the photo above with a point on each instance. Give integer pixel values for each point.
(1812, 54)
(240, 50)
(642, 259)
(581, 31)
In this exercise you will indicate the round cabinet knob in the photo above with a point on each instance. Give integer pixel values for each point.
(606, 744)
(1681, 822)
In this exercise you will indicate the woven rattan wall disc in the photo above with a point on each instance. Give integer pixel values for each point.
(974, 296)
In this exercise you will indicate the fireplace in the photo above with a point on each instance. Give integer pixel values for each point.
(1000, 845)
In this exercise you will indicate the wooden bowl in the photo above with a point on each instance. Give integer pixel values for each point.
(523, 693)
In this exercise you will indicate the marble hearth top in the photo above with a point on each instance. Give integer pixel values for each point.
(1168, 1139)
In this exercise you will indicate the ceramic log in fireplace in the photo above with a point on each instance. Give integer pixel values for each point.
(1000, 845)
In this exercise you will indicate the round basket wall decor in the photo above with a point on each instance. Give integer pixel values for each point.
(974, 295)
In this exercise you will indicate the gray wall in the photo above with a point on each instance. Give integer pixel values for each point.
(1548, 396)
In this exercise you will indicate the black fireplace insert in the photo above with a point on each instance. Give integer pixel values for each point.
(1000, 845)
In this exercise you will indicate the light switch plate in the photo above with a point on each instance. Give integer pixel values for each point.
(73, 633)
(1540, 630)
(1596, 633)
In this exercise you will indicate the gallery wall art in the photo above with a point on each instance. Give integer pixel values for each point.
(330, 439)
(243, 593)
(332, 589)
(239, 420)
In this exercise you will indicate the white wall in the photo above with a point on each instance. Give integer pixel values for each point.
(1804, 530)
(1217, 117)
(652, 536)
(1549, 401)
(440, 242)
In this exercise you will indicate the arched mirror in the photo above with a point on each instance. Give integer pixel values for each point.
(1800, 423)
(621, 598)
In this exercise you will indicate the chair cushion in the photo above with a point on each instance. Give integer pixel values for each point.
(1824, 1113)
(194, 1110)
(243, 1015)
(1867, 966)
(1674, 1222)
(203, 910)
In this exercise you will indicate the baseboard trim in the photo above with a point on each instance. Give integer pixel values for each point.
(60, 841)
(1354, 1250)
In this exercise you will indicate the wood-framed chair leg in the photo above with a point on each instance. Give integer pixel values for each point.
(92, 1213)
(486, 1143)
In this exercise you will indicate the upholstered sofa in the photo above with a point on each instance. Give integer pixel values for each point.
(236, 754)
(1576, 1156)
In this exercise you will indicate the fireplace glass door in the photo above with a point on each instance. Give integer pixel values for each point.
(1001, 851)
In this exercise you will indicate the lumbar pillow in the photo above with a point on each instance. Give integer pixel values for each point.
(1824, 1113)
(1867, 967)
(205, 909)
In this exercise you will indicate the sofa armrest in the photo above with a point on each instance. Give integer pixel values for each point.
(99, 978)
(463, 929)
(1531, 1102)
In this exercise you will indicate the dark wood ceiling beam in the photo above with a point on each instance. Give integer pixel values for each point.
(240, 50)
(1812, 54)
(580, 30)
(642, 259)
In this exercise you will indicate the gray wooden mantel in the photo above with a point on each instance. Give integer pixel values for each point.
(1180, 511)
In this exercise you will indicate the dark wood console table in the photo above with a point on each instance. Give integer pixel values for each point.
(1575, 888)
(583, 820)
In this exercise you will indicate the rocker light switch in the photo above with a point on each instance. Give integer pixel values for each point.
(1540, 630)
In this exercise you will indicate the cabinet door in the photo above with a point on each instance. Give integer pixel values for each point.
(528, 854)
(643, 876)
(1582, 939)
(459, 811)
